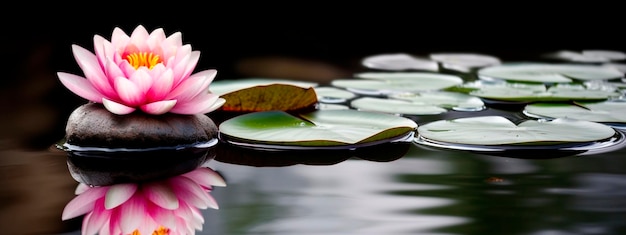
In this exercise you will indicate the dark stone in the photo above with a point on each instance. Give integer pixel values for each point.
(91, 125)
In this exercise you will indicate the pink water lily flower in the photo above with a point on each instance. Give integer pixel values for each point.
(171, 206)
(146, 71)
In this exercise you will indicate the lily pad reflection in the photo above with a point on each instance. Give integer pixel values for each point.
(259, 156)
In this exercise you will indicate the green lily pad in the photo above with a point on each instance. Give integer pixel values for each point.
(548, 73)
(497, 130)
(606, 112)
(386, 83)
(533, 93)
(321, 128)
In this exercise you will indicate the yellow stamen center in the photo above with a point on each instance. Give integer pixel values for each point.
(146, 59)
(160, 231)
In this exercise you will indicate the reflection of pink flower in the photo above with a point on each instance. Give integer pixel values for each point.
(146, 71)
(171, 206)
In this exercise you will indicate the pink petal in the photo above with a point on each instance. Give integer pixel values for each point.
(191, 64)
(161, 195)
(116, 108)
(86, 227)
(148, 226)
(129, 93)
(161, 86)
(184, 212)
(206, 177)
(99, 48)
(199, 105)
(83, 203)
(155, 38)
(192, 86)
(118, 194)
(105, 229)
(161, 215)
(188, 191)
(184, 62)
(139, 37)
(119, 39)
(92, 69)
(104, 51)
(183, 227)
(80, 86)
(211, 202)
(81, 188)
(197, 219)
(132, 214)
(215, 106)
(114, 221)
(171, 44)
(97, 218)
(113, 70)
(142, 79)
(159, 107)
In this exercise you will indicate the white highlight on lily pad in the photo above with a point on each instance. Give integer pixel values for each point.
(332, 94)
(548, 73)
(449, 100)
(221, 87)
(399, 62)
(394, 106)
(606, 111)
(464, 62)
(497, 130)
(328, 106)
(320, 128)
(376, 83)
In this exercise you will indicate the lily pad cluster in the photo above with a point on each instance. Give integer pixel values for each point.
(562, 103)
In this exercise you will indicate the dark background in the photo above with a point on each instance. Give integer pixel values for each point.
(332, 33)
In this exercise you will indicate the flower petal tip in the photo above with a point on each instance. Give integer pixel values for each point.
(116, 108)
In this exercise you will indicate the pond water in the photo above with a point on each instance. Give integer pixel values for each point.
(420, 190)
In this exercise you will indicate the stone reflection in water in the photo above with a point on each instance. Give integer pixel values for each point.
(104, 148)
(169, 206)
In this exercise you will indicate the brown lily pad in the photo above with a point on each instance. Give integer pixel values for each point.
(284, 97)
